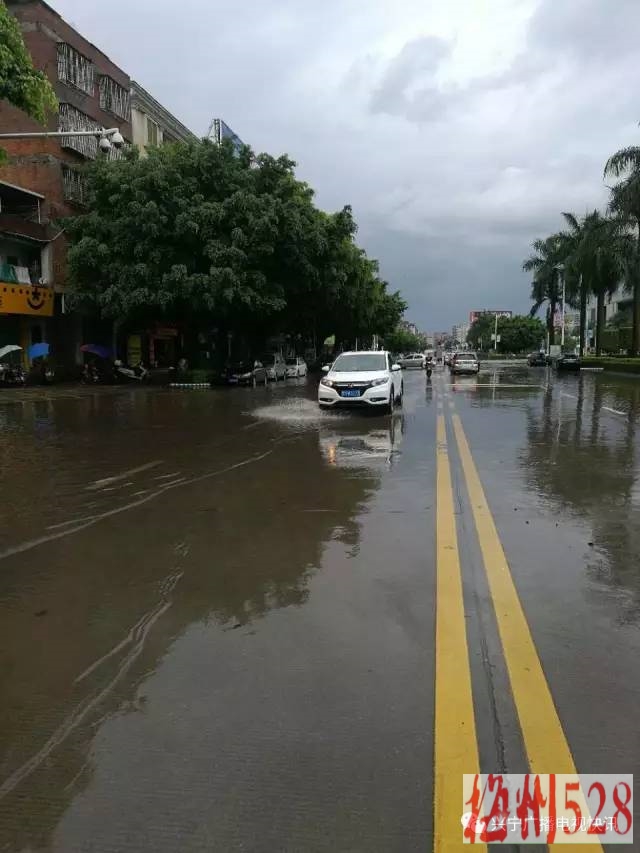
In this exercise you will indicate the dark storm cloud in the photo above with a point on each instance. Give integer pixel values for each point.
(454, 159)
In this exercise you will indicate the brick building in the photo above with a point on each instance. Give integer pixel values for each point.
(43, 182)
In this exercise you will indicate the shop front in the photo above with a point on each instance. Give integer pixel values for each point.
(25, 311)
(163, 344)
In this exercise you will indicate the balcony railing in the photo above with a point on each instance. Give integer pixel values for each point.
(74, 185)
(75, 69)
(70, 118)
(114, 98)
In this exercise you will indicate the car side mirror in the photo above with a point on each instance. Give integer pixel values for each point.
(325, 368)
(395, 367)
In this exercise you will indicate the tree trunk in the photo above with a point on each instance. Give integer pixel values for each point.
(583, 314)
(551, 319)
(599, 322)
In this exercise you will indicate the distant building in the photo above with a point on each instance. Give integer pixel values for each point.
(459, 332)
(406, 326)
(152, 124)
(219, 131)
(619, 300)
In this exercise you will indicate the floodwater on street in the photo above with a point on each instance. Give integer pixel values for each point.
(218, 608)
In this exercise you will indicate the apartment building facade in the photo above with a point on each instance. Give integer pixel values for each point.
(42, 182)
(152, 124)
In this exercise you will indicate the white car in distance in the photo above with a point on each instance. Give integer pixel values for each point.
(365, 379)
(296, 366)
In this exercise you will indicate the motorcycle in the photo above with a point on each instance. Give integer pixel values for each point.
(429, 369)
(11, 376)
(124, 373)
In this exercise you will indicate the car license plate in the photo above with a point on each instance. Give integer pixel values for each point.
(350, 392)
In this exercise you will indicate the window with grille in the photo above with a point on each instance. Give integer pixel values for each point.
(69, 118)
(75, 69)
(74, 185)
(152, 132)
(114, 98)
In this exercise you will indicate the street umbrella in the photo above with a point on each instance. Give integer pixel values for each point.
(96, 349)
(9, 348)
(38, 350)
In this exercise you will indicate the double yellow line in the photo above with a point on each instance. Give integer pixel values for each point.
(456, 750)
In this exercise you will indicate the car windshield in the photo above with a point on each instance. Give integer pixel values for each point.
(359, 362)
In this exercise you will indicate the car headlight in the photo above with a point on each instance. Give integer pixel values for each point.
(328, 382)
(379, 381)
(245, 376)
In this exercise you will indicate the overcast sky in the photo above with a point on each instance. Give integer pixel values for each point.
(457, 129)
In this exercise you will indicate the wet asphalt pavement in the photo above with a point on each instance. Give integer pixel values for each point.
(217, 608)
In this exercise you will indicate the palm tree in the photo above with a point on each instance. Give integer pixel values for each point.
(608, 248)
(547, 255)
(625, 202)
(596, 255)
(576, 282)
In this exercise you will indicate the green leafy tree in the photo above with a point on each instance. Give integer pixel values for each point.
(180, 234)
(20, 83)
(400, 340)
(520, 334)
(199, 235)
(479, 334)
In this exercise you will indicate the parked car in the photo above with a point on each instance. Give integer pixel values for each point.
(465, 362)
(296, 366)
(275, 364)
(413, 360)
(367, 379)
(537, 359)
(249, 371)
(567, 361)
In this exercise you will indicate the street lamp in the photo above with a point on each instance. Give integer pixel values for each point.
(560, 268)
(107, 137)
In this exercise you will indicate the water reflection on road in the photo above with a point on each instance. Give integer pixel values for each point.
(136, 517)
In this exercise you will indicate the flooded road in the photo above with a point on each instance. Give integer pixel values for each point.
(218, 609)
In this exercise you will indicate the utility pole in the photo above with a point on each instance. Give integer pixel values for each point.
(560, 269)
(495, 336)
(107, 138)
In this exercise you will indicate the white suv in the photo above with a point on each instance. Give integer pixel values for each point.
(366, 378)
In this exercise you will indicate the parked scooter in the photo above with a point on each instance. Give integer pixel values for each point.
(11, 375)
(100, 372)
(124, 373)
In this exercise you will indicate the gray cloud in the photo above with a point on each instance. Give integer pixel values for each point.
(456, 148)
(415, 67)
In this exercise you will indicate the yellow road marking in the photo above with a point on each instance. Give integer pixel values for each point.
(544, 739)
(456, 747)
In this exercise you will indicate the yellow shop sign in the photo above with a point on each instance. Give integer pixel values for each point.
(26, 299)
